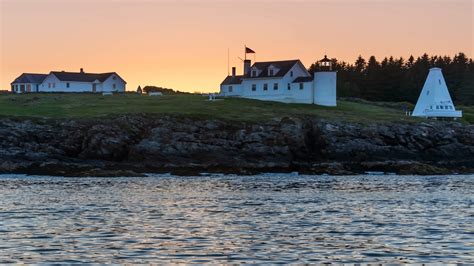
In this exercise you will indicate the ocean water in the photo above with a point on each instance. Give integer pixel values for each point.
(231, 219)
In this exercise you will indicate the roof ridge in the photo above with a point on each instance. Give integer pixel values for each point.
(290, 60)
(33, 74)
(82, 72)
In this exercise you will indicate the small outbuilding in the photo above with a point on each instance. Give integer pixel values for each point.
(434, 100)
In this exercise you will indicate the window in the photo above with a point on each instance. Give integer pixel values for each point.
(114, 86)
(49, 85)
(441, 107)
(427, 92)
(289, 86)
(254, 73)
(114, 78)
(437, 107)
(291, 73)
(67, 85)
(230, 88)
(270, 72)
(54, 85)
(254, 87)
(439, 81)
(275, 86)
(301, 86)
(265, 87)
(431, 107)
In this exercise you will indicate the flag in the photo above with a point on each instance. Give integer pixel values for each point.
(249, 51)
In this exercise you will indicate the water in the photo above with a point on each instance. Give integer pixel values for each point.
(267, 218)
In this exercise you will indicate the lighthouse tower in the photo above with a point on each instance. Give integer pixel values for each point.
(325, 84)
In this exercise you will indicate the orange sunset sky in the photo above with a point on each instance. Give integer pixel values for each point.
(183, 44)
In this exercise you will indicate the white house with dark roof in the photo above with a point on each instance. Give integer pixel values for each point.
(61, 81)
(283, 81)
(28, 82)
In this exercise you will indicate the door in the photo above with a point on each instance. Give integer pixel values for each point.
(94, 87)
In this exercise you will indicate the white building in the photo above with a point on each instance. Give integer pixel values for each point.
(28, 82)
(61, 81)
(434, 100)
(283, 81)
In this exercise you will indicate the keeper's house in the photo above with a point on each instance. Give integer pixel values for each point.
(61, 81)
(283, 81)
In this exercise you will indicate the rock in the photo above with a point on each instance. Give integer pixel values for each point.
(135, 144)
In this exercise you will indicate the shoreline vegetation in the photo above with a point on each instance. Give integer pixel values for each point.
(130, 135)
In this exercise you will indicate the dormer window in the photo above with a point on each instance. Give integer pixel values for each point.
(270, 72)
(254, 73)
(291, 73)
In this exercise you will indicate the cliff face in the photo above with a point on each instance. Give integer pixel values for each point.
(135, 144)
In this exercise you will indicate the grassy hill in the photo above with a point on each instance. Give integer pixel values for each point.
(95, 105)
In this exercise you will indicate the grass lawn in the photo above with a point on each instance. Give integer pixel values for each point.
(96, 105)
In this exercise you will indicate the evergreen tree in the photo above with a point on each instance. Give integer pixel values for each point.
(394, 79)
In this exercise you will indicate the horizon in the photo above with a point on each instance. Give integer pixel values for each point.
(129, 40)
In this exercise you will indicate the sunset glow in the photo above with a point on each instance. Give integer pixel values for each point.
(184, 44)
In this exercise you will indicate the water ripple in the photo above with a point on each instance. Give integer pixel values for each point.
(233, 219)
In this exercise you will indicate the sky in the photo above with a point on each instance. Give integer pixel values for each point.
(184, 44)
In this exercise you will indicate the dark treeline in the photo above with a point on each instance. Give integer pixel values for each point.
(399, 79)
(165, 91)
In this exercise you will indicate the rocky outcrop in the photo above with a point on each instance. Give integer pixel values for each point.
(137, 144)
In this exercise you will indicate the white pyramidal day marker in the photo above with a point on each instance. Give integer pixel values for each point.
(434, 100)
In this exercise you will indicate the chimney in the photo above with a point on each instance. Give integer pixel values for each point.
(247, 64)
(82, 70)
(233, 72)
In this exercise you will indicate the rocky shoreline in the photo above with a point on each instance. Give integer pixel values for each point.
(132, 145)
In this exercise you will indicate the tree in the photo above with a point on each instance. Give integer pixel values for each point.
(360, 64)
(394, 79)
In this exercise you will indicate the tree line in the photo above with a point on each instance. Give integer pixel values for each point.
(401, 80)
(165, 91)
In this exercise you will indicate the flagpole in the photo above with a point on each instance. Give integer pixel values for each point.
(245, 52)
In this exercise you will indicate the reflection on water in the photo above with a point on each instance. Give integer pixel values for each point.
(267, 218)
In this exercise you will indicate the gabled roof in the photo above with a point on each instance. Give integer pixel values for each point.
(81, 76)
(230, 80)
(303, 79)
(283, 66)
(30, 78)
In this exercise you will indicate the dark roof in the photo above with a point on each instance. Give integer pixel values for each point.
(30, 78)
(81, 76)
(325, 59)
(303, 79)
(230, 80)
(283, 66)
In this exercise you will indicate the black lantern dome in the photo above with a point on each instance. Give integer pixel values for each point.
(325, 64)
